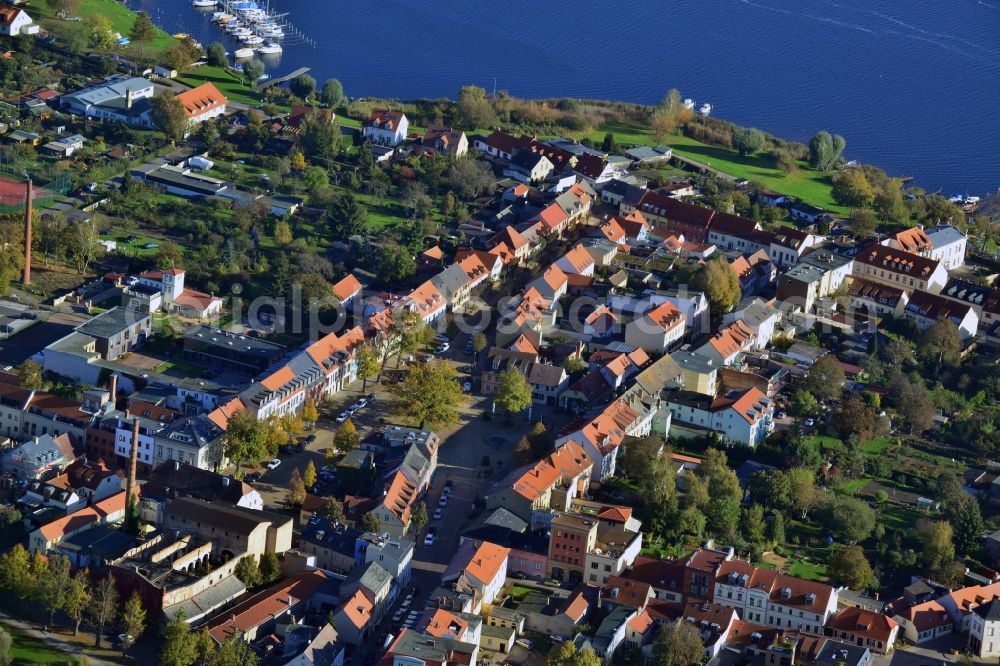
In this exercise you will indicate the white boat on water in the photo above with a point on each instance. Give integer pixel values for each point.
(269, 48)
(705, 109)
(243, 53)
(252, 40)
(274, 32)
(689, 103)
(204, 3)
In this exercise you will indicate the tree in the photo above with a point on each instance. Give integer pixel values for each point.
(395, 263)
(609, 145)
(50, 589)
(473, 109)
(178, 645)
(637, 455)
(849, 566)
(678, 644)
(863, 222)
(753, 524)
(915, 407)
(419, 517)
(368, 365)
(855, 418)
(217, 55)
(803, 490)
(940, 344)
(777, 528)
(851, 188)
(282, 232)
(319, 136)
(967, 523)
(346, 437)
(657, 485)
(370, 523)
(269, 567)
(246, 439)
(133, 619)
(748, 140)
(332, 93)
(302, 86)
(77, 598)
(803, 403)
(143, 31)
(248, 572)
(253, 69)
(938, 547)
(429, 395)
(103, 606)
(513, 393)
(169, 116)
(15, 571)
(235, 651)
(825, 378)
(470, 178)
(720, 284)
(566, 654)
(849, 519)
(690, 522)
(479, 342)
(523, 454)
(309, 476)
(296, 494)
(347, 217)
(332, 510)
(825, 150)
(309, 412)
(29, 375)
(169, 255)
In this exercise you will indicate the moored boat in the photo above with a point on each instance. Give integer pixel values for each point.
(270, 48)
(705, 109)
(243, 53)
(689, 103)
(204, 3)
(252, 40)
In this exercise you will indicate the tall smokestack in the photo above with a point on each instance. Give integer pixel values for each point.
(113, 387)
(27, 236)
(130, 519)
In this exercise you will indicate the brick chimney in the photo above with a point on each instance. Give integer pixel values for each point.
(113, 387)
(130, 485)
(27, 234)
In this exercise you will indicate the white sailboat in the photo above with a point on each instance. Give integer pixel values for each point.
(269, 48)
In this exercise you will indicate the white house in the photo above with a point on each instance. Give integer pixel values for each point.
(202, 103)
(764, 596)
(483, 568)
(118, 98)
(948, 245)
(15, 21)
(657, 330)
(758, 317)
(740, 417)
(984, 630)
(926, 309)
(386, 128)
(577, 262)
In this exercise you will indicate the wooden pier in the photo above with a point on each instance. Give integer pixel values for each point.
(281, 79)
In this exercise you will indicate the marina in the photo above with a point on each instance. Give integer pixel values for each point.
(254, 26)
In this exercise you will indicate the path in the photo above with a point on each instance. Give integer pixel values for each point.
(702, 166)
(54, 641)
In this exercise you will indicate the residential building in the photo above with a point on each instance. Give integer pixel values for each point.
(657, 330)
(117, 332)
(346, 289)
(611, 633)
(739, 417)
(15, 21)
(572, 537)
(258, 615)
(176, 297)
(898, 268)
(876, 299)
(926, 309)
(817, 275)
(202, 103)
(924, 622)
(549, 485)
(446, 140)
(386, 128)
(91, 481)
(864, 628)
(172, 479)
(699, 373)
(767, 597)
(411, 648)
(528, 167)
(615, 549)
(39, 457)
(984, 630)
(480, 569)
(334, 546)
(107, 511)
(576, 262)
(947, 245)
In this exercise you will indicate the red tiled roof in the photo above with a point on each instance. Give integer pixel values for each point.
(861, 622)
(347, 287)
(201, 99)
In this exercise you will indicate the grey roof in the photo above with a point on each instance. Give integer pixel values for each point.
(450, 280)
(429, 648)
(969, 292)
(660, 375)
(501, 517)
(174, 479)
(338, 538)
(105, 540)
(543, 374)
(357, 458)
(243, 343)
(527, 159)
(198, 431)
(112, 322)
(643, 153)
(944, 234)
(371, 576)
(606, 631)
(694, 362)
(208, 599)
(835, 652)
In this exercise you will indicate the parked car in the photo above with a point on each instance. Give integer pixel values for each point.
(442, 349)
(467, 387)
(252, 477)
(273, 464)
(438, 513)
(343, 416)
(780, 414)
(311, 438)
(150, 246)
(443, 501)
(809, 423)
(429, 539)
(29, 315)
(361, 402)
(370, 398)
(287, 449)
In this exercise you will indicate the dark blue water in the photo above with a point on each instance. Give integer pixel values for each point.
(914, 87)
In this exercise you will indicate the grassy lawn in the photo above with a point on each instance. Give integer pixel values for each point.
(877, 446)
(517, 592)
(811, 186)
(853, 486)
(227, 81)
(807, 570)
(121, 18)
(188, 369)
(900, 517)
(27, 650)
